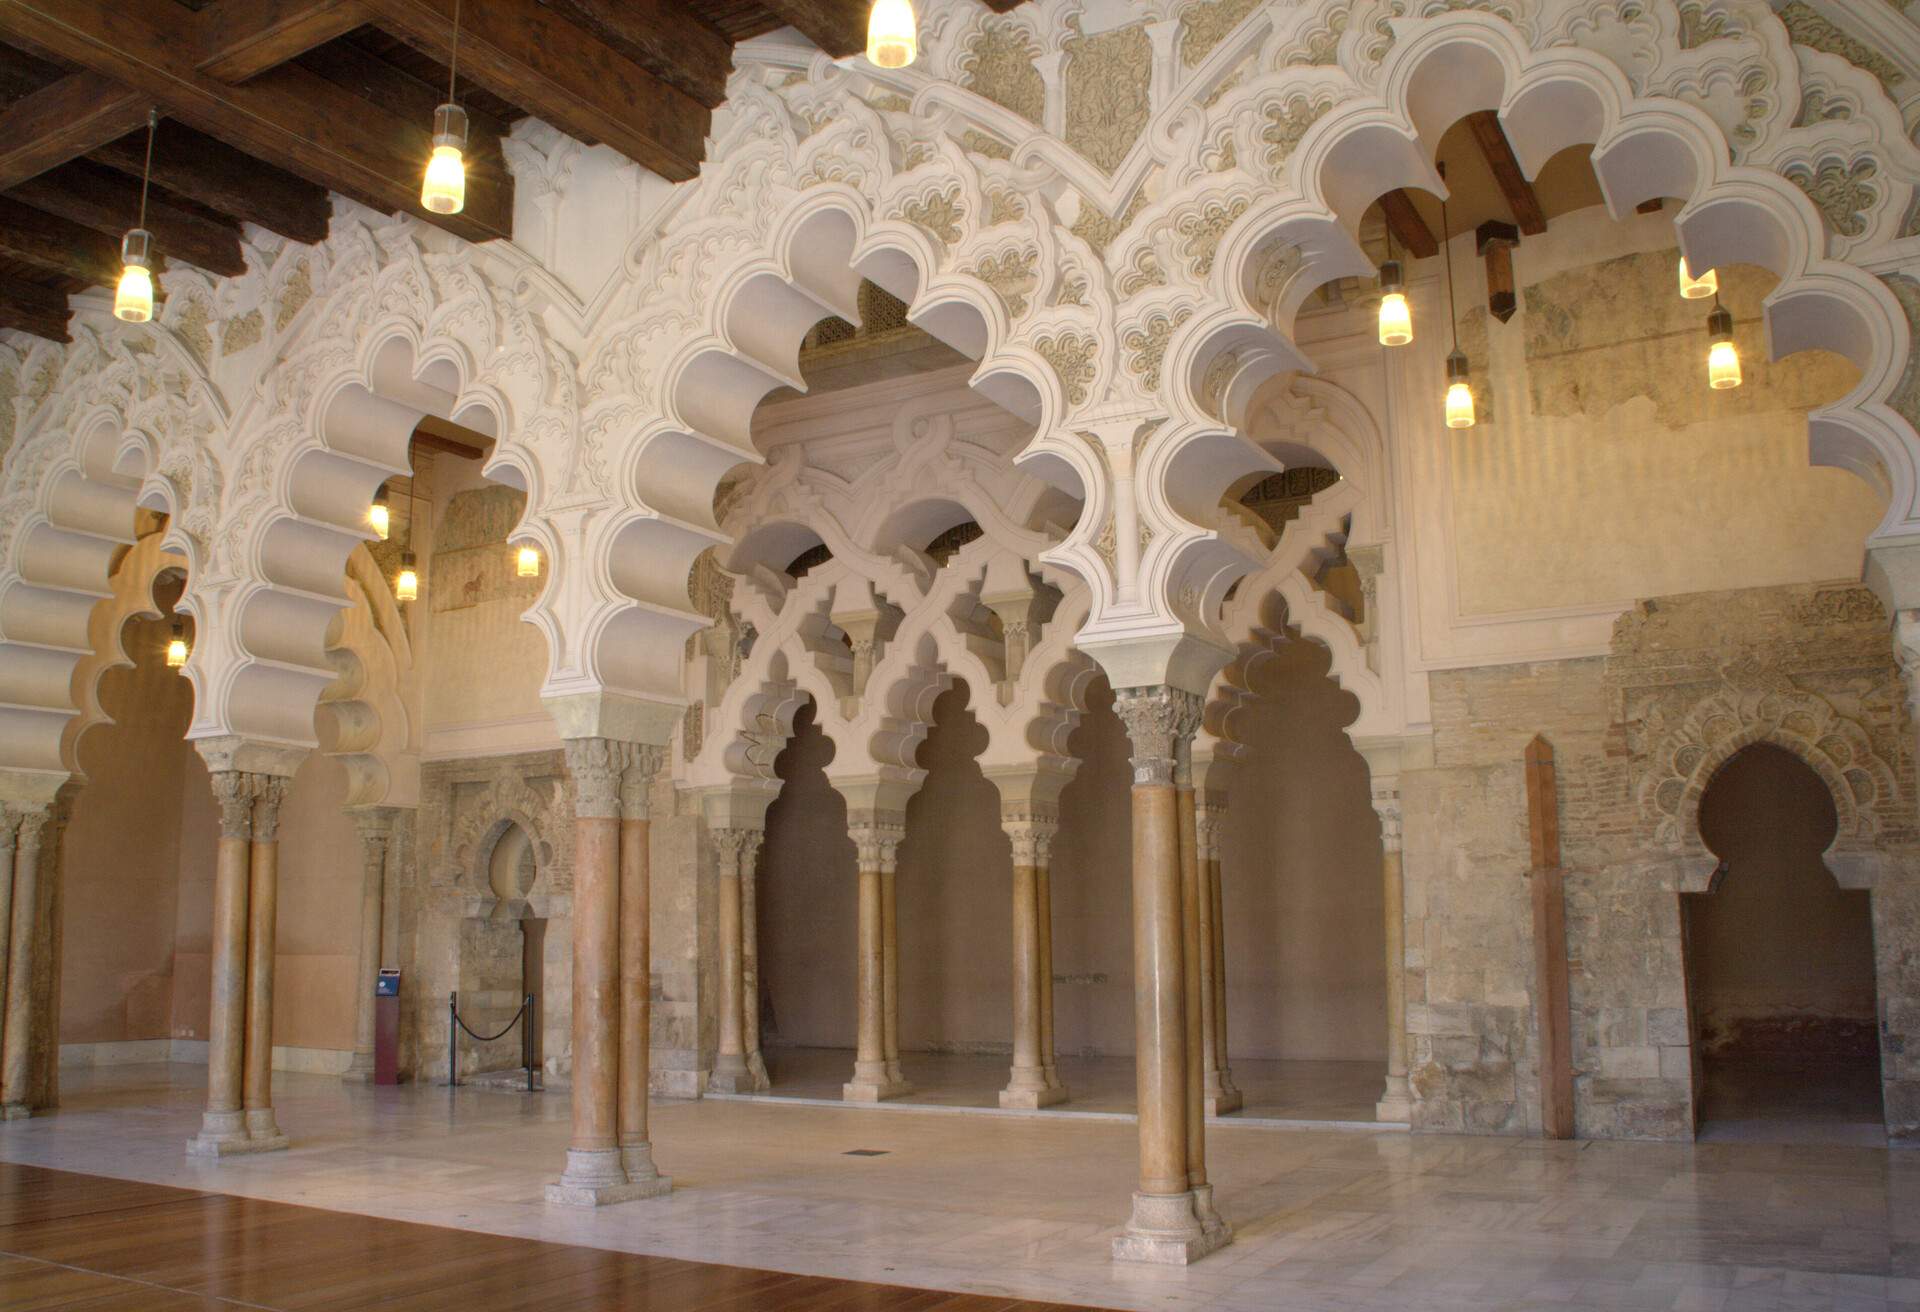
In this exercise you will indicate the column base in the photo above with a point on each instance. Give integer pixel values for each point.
(15, 1111)
(360, 1071)
(1221, 1095)
(757, 1068)
(1029, 1090)
(1212, 1223)
(1396, 1102)
(1165, 1230)
(598, 1178)
(636, 1159)
(221, 1145)
(896, 1076)
(731, 1074)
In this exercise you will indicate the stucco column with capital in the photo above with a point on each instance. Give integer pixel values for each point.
(376, 836)
(595, 1174)
(1028, 1084)
(263, 901)
(636, 971)
(737, 851)
(1165, 1226)
(223, 1126)
(20, 926)
(876, 1067)
(1396, 1099)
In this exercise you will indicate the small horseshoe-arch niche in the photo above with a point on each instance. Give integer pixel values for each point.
(502, 947)
(511, 861)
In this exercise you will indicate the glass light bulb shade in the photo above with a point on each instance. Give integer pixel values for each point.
(407, 586)
(892, 38)
(1459, 406)
(1396, 320)
(176, 653)
(1695, 289)
(133, 298)
(379, 520)
(527, 563)
(1723, 366)
(445, 189)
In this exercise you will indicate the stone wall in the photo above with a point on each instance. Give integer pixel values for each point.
(1637, 735)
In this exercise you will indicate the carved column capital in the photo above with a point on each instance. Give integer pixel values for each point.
(233, 792)
(597, 765)
(1386, 805)
(738, 850)
(636, 781)
(1209, 826)
(1031, 830)
(877, 838)
(30, 823)
(1161, 722)
(270, 790)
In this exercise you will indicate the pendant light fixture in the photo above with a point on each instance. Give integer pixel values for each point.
(444, 191)
(133, 298)
(1697, 289)
(1723, 359)
(379, 518)
(1396, 320)
(177, 646)
(406, 585)
(527, 563)
(892, 41)
(1459, 392)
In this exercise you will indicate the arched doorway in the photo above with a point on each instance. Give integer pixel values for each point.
(1780, 965)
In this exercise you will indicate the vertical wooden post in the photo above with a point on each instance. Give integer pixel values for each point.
(1552, 1012)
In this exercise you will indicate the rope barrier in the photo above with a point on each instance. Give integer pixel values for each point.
(489, 1038)
(455, 1024)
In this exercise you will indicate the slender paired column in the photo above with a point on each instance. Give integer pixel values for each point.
(750, 965)
(25, 827)
(876, 1067)
(738, 851)
(1166, 1226)
(1032, 1083)
(636, 970)
(263, 900)
(596, 1174)
(376, 835)
(1218, 1091)
(223, 1126)
(1396, 1100)
(1192, 946)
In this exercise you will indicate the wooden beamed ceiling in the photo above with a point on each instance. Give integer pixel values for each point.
(268, 105)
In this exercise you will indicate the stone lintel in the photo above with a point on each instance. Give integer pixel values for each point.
(225, 752)
(621, 717)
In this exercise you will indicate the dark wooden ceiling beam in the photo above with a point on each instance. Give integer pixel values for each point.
(63, 121)
(662, 38)
(1406, 225)
(838, 27)
(1521, 200)
(221, 178)
(30, 308)
(449, 438)
(97, 197)
(248, 37)
(527, 54)
(287, 116)
(56, 245)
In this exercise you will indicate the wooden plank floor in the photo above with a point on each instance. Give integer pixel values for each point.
(92, 1244)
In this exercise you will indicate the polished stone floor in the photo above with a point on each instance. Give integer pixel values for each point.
(1323, 1092)
(1024, 1206)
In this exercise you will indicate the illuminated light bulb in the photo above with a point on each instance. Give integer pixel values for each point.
(892, 41)
(177, 647)
(527, 565)
(133, 299)
(1396, 320)
(1695, 289)
(444, 191)
(1459, 394)
(379, 519)
(406, 587)
(1723, 360)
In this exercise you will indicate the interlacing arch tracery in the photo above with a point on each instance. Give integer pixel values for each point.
(1124, 269)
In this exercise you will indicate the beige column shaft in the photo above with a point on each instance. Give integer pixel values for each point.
(1028, 1068)
(1043, 901)
(16, 1043)
(9, 823)
(227, 1019)
(870, 1061)
(750, 967)
(373, 862)
(1221, 1051)
(1159, 1008)
(636, 974)
(890, 972)
(1190, 983)
(263, 908)
(1396, 1098)
(1205, 836)
(731, 1062)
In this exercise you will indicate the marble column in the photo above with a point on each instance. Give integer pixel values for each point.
(737, 851)
(595, 1175)
(1192, 945)
(21, 927)
(376, 835)
(1029, 1084)
(636, 971)
(263, 901)
(876, 1067)
(1218, 1091)
(1043, 896)
(223, 1128)
(750, 966)
(1396, 1100)
(1165, 1225)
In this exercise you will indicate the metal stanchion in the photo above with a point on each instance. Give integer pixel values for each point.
(524, 1017)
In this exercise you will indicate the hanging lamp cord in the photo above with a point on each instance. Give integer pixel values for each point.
(453, 59)
(1446, 244)
(146, 175)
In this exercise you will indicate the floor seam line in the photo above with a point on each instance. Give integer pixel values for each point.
(136, 1280)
